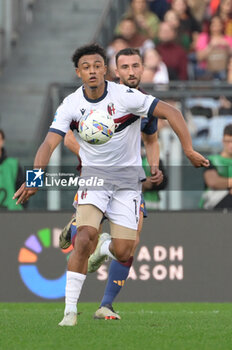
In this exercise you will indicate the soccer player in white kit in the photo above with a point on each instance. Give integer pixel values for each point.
(113, 161)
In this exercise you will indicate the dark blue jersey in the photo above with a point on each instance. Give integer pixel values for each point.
(148, 125)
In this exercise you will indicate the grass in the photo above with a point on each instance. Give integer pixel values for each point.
(144, 326)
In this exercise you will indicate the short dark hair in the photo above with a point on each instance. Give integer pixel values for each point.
(2, 134)
(228, 130)
(129, 51)
(119, 37)
(90, 49)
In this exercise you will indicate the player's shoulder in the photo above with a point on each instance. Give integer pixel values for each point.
(77, 93)
(73, 99)
(120, 87)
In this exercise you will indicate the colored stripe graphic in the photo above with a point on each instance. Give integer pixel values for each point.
(49, 289)
(45, 237)
(26, 256)
(124, 118)
(33, 244)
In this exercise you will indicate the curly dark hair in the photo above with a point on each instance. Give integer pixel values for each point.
(90, 49)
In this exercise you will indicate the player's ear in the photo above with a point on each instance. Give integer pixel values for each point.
(78, 72)
(105, 69)
(116, 73)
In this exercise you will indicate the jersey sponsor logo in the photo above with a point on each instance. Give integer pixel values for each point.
(120, 283)
(34, 178)
(111, 108)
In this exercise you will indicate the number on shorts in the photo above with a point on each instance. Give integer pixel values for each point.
(135, 201)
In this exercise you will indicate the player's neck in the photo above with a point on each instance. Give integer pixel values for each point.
(226, 155)
(94, 93)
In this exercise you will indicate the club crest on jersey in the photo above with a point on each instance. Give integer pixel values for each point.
(111, 108)
(83, 194)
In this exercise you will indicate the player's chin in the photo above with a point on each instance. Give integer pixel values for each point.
(132, 83)
(93, 86)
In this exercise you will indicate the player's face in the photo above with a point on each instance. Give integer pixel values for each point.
(129, 70)
(1, 142)
(227, 143)
(91, 69)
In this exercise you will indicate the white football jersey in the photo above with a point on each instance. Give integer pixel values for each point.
(126, 105)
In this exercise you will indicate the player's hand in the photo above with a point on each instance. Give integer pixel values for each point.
(156, 175)
(197, 159)
(24, 193)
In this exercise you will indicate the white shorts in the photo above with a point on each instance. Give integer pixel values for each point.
(121, 207)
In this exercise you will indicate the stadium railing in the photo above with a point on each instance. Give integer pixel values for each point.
(14, 14)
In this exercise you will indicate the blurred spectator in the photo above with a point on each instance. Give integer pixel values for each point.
(128, 29)
(189, 27)
(225, 13)
(226, 102)
(147, 22)
(213, 50)
(172, 18)
(118, 43)
(159, 7)
(218, 177)
(229, 71)
(155, 70)
(150, 190)
(11, 178)
(173, 55)
(198, 9)
(213, 7)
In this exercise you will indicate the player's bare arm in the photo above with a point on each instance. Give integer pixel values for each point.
(215, 181)
(71, 143)
(42, 158)
(151, 144)
(176, 120)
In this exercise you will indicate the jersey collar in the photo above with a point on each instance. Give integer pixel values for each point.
(98, 99)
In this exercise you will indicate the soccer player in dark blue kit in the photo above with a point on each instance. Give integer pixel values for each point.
(129, 69)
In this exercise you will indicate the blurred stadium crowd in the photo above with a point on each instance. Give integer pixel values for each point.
(180, 39)
(188, 41)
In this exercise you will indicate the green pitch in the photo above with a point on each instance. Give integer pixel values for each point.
(144, 326)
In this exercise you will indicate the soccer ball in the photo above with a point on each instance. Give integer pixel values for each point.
(97, 127)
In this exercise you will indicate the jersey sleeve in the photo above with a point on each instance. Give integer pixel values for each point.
(150, 126)
(138, 103)
(63, 118)
(210, 167)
